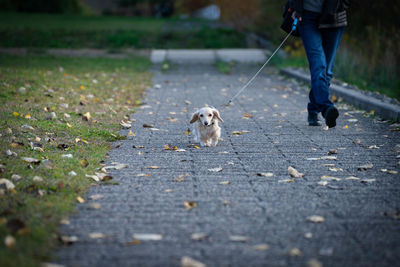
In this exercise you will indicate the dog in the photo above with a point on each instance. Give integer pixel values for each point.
(207, 131)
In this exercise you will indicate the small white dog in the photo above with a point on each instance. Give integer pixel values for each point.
(207, 131)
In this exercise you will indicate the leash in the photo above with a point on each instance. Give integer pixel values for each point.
(263, 66)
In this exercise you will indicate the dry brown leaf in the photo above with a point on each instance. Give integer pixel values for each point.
(189, 262)
(80, 199)
(180, 178)
(365, 167)
(261, 247)
(97, 235)
(315, 219)
(294, 173)
(148, 237)
(225, 182)
(314, 263)
(237, 238)
(295, 252)
(10, 241)
(86, 116)
(131, 133)
(189, 205)
(247, 115)
(265, 174)
(84, 163)
(96, 197)
(217, 169)
(198, 236)
(170, 147)
(146, 125)
(152, 167)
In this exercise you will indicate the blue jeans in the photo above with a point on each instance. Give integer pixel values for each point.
(321, 46)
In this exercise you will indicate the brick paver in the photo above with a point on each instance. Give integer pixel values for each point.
(361, 217)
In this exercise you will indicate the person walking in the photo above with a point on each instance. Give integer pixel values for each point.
(321, 26)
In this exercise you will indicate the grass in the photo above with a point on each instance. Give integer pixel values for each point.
(77, 31)
(107, 88)
(224, 67)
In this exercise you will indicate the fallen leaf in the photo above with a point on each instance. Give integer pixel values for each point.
(180, 150)
(295, 252)
(332, 152)
(96, 197)
(146, 125)
(142, 175)
(315, 219)
(365, 167)
(247, 115)
(63, 147)
(95, 206)
(189, 262)
(225, 182)
(187, 132)
(180, 178)
(11, 153)
(189, 205)
(131, 133)
(152, 167)
(286, 181)
(352, 178)
(325, 128)
(237, 238)
(125, 125)
(294, 173)
(335, 169)
(16, 177)
(198, 236)
(148, 237)
(86, 116)
(367, 181)
(217, 169)
(72, 173)
(37, 179)
(323, 183)
(330, 178)
(314, 263)
(373, 147)
(240, 132)
(170, 147)
(308, 235)
(6, 184)
(80, 199)
(118, 166)
(31, 160)
(329, 158)
(265, 174)
(261, 247)
(97, 235)
(68, 239)
(357, 141)
(69, 156)
(10, 241)
(84, 163)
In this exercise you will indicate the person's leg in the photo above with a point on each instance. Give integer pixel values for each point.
(330, 42)
(313, 44)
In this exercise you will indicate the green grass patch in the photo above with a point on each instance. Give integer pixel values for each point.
(224, 67)
(31, 88)
(77, 31)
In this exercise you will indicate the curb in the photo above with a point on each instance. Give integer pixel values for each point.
(209, 56)
(385, 110)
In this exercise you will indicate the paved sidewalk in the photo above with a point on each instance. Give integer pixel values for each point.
(361, 214)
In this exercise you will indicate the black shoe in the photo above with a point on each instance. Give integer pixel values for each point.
(313, 119)
(331, 114)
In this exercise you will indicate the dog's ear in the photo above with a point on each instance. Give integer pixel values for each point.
(195, 117)
(216, 114)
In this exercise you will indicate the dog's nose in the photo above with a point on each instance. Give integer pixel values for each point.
(205, 123)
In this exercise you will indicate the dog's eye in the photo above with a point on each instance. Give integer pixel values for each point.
(201, 115)
(209, 115)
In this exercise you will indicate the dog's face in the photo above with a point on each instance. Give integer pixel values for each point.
(206, 116)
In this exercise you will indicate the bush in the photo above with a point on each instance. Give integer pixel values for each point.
(41, 6)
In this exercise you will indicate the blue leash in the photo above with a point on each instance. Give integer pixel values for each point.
(265, 64)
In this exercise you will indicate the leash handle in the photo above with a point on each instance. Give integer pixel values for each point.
(295, 24)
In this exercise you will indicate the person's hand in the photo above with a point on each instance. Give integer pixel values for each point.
(294, 15)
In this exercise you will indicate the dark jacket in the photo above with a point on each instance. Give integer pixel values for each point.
(333, 12)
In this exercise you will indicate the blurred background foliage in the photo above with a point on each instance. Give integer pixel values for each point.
(369, 54)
